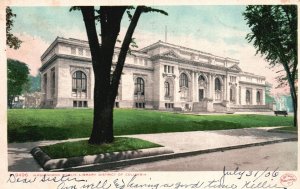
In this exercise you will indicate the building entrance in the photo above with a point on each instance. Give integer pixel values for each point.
(201, 94)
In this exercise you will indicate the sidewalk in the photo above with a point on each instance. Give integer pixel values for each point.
(182, 143)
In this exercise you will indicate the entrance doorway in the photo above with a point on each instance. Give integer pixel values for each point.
(201, 94)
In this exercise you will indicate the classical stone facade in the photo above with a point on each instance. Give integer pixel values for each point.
(160, 76)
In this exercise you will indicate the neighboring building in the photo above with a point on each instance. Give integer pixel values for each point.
(159, 76)
(284, 102)
(19, 102)
(28, 100)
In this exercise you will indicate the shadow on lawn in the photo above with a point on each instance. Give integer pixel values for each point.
(217, 125)
(34, 133)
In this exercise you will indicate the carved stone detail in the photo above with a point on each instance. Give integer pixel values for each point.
(78, 68)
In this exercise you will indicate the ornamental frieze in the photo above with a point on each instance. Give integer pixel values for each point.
(168, 75)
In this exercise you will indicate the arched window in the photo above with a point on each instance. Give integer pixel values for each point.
(167, 89)
(248, 97)
(79, 81)
(258, 97)
(201, 78)
(139, 86)
(217, 84)
(183, 81)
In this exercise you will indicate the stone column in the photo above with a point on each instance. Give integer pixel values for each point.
(209, 87)
(228, 89)
(48, 96)
(237, 96)
(176, 86)
(252, 97)
(225, 88)
(263, 96)
(213, 87)
(196, 87)
(193, 87)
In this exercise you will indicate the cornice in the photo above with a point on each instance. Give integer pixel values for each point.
(138, 67)
(63, 56)
(191, 62)
(71, 41)
(252, 75)
(249, 83)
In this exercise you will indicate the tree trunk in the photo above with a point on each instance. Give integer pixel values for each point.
(105, 89)
(10, 102)
(102, 131)
(291, 82)
(294, 101)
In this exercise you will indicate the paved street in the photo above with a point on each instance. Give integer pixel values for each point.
(282, 155)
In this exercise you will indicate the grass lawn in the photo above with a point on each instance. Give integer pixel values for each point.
(82, 148)
(56, 124)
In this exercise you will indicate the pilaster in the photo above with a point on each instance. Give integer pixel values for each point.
(213, 87)
(193, 87)
(196, 87)
(209, 86)
(263, 96)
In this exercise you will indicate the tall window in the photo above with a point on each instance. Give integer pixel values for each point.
(45, 83)
(167, 89)
(218, 87)
(217, 84)
(139, 86)
(183, 81)
(248, 97)
(79, 81)
(258, 97)
(231, 95)
(52, 82)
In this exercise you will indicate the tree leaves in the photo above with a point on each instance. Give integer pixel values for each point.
(75, 8)
(274, 34)
(11, 40)
(17, 77)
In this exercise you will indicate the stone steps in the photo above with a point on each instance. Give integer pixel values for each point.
(218, 107)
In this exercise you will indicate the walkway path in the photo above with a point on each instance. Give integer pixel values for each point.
(20, 159)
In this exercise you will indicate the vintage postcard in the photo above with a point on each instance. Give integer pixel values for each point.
(149, 95)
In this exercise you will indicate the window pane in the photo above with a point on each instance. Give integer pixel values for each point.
(139, 86)
(73, 83)
(79, 81)
(183, 82)
(167, 89)
(217, 84)
(84, 84)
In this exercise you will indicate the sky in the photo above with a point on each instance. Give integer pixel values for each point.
(220, 30)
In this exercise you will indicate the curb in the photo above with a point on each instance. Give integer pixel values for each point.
(122, 163)
(49, 164)
(282, 131)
